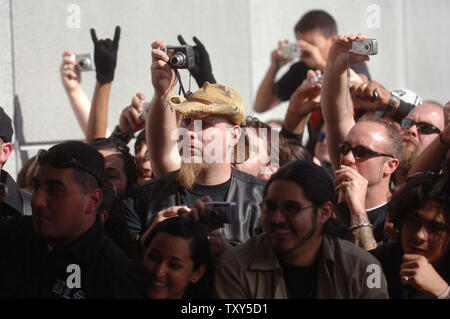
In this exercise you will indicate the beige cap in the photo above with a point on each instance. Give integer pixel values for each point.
(215, 99)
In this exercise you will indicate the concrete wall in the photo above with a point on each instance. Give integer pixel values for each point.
(239, 35)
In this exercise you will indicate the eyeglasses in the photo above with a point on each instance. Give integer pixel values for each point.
(289, 209)
(320, 136)
(61, 160)
(422, 127)
(359, 151)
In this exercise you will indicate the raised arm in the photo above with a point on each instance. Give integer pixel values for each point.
(105, 57)
(337, 107)
(71, 80)
(265, 97)
(305, 99)
(161, 121)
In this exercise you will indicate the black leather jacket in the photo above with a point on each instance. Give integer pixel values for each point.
(18, 202)
(246, 190)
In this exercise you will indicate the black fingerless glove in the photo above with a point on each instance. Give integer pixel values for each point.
(202, 71)
(105, 56)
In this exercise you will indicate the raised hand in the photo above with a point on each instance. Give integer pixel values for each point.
(338, 54)
(70, 75)
(105, 56)
(202, 71)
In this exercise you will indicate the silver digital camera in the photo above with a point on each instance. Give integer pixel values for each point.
(84, 61)
(218, 213)
(290, 50)
(365, 47)
(317, 78)
(145, 105)
(180, 57)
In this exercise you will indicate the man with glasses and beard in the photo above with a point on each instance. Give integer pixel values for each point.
(299, 255)
(363, 154)
(209, 122)
(420, 127)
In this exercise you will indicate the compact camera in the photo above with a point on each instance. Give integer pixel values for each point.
(180, 57)
(317, 78)
(84, 61)
(365, 47)
(218, 213)
(145, 105)
(290, 50)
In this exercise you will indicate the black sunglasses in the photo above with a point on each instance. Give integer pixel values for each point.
(61, 160)
(422, 127)
(359, 151)
(289, 209)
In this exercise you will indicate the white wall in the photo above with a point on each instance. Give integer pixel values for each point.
(239, 35)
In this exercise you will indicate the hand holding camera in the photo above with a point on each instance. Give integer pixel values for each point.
(202, 70)
(213, 215)
(341, 56)
(105, 56)
(163, 76)
(277, 58)
(131, 119)
(311, 55)
(70, 74)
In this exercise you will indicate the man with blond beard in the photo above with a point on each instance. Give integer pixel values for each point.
(210, 122)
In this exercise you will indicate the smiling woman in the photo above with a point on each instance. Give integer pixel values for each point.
(177, 262)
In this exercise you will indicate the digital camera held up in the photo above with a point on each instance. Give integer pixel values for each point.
(365, 47)
(219, 213)
(84, 61)
(290, 50)
(180, 57)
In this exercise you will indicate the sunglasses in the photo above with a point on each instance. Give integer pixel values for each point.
(61, 160)
(359, 151)
(422, 127)
(289, 209)
(320, 136)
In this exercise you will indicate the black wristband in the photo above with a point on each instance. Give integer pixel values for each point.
(292, 136)
(118, 134)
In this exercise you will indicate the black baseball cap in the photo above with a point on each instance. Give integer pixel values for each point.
(75, 154)
(6, 130)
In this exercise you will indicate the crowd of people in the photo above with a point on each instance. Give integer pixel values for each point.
(348, 196)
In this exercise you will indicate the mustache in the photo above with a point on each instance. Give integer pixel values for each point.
(282, 226)
(409, 139)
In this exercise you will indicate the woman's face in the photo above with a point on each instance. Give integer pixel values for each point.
(168, 267)
(425, 233)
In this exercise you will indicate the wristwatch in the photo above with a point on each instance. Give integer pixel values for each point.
(394, 101)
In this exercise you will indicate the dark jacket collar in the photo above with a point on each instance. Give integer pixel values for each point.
(86, 247)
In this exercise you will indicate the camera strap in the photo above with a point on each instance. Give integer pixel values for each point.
(181, 89)
(347, 91)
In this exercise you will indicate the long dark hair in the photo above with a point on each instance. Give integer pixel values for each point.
(317, 185)
(191, 230)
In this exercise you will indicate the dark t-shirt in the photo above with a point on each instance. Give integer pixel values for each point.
(376, 218)
(300, 281)
(293, 78)
(217, 193)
